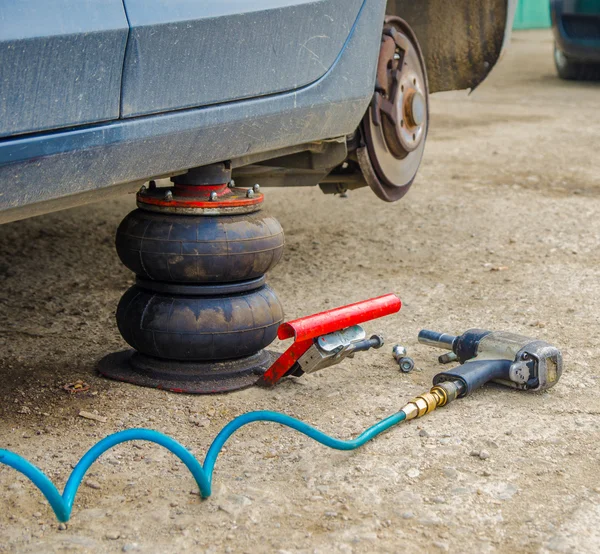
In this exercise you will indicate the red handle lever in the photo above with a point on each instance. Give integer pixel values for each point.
(305, 329)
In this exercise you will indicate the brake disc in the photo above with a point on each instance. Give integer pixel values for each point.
(395, 126)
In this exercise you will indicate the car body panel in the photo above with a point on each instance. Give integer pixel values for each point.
(38, 169)
(576, 28)
(60, 63)
(185, 53)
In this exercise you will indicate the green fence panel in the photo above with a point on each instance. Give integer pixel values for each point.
(532, 14)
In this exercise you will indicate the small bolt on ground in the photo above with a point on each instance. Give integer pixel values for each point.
(405, 363)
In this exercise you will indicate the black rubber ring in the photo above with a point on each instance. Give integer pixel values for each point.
(200, 290)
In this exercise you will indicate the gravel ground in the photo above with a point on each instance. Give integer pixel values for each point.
(500, 231)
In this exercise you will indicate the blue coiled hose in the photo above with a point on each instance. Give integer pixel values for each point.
(63, 504)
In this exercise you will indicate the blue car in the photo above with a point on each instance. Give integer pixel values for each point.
(576, 28)
(98, 97)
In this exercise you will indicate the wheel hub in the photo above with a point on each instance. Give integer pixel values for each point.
(395, 126)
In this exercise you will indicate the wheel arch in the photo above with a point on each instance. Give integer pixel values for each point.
(461, 40)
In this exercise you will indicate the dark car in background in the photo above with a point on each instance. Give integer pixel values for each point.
(576, 27)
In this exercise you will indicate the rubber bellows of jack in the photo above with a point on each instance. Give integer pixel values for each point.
(200, 293)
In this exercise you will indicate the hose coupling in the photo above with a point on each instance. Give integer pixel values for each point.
(438, 396)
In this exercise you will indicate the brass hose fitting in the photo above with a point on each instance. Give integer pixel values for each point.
(438, 396)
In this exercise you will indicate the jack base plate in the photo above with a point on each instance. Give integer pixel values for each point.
(185, 377)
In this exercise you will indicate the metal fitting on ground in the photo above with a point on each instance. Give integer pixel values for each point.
(438, 396)
(398, 351)
(405, 363)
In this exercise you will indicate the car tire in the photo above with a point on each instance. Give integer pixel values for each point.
(571, 70)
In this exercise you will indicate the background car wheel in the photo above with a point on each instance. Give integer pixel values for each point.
(571, 70)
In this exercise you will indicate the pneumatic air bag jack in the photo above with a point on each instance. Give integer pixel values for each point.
(200, 314)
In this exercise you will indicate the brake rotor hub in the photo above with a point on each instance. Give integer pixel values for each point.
(395, 126)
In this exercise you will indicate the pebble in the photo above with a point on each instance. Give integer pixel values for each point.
(93, 484)
(37, 514)
(199, 421)
(483, 454)
(413, 473)
(487, 473)
(93, 416)
(423, 433)
(450, 472)
(62, 526)
(113, 535)
(558, 544)
(438, 500)
(130, 546)
(408, 515)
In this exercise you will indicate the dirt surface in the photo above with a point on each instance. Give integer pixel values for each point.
(500, 231)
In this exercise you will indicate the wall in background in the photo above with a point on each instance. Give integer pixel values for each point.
(532, 14)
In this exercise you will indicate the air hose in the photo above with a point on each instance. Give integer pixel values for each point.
(63, 504)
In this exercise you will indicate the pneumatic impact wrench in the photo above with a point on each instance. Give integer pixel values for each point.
(516, 361)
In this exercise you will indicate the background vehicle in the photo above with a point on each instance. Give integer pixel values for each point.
(100, 96)
(576, 28)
